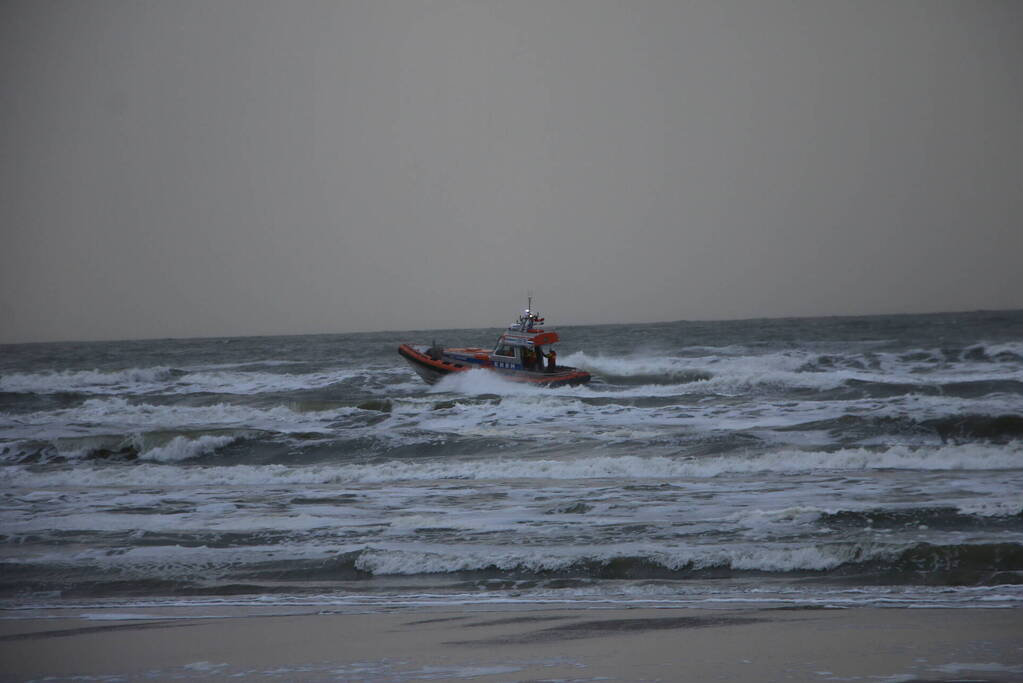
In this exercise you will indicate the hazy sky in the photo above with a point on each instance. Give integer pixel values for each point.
(231, 167)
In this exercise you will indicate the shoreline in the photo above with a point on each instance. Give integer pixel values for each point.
(520, 644)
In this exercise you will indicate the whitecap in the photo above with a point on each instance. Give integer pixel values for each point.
(182, 448)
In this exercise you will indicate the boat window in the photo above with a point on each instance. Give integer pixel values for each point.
(505, 350)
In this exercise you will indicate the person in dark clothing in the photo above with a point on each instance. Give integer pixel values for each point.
(552, 358)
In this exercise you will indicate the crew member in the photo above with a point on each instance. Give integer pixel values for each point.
(552, 359)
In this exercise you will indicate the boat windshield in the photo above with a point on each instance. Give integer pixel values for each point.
(505, 350)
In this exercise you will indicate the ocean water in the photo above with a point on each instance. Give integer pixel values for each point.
(874, 461)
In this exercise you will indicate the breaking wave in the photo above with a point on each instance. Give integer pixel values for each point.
(168, 380)
(956, 564)
(973, 371)
(621, 562)
(120, 411)
(182, 448)
(928, 459)
(993, 563)
(87, 381)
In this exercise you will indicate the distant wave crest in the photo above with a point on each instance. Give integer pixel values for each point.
(85, 380)
(941, 458)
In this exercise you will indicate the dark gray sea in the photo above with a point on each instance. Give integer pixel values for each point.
(856, 461)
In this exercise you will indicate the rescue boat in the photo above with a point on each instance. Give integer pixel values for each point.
(523, 353)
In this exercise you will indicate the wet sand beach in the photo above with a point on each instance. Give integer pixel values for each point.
(525, 645)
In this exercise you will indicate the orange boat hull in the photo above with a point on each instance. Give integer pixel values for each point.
(432, 369)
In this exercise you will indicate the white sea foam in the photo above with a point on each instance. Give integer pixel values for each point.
(729, 374)
(729, 368)
(525, 413)
(554, 414)
(479, 381)
(182, 448)
(796, 516)
(103, 414)
(85, 380)
(678, 376)
(994, 508)
(1011, 349)
(923, 406)
(774, 558)
(155, 446)
(170, 381)
(933, 459)
(959, 668)
(632, 366)
(245, 364)
(225, 382)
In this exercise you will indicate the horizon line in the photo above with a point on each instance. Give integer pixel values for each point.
(439, 329)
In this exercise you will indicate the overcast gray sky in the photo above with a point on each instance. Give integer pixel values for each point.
(233, 167)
